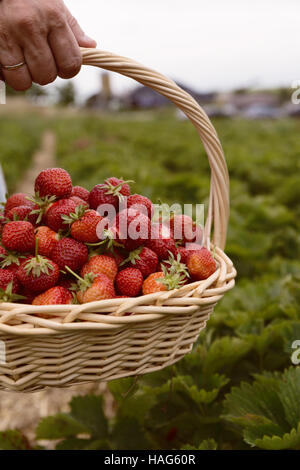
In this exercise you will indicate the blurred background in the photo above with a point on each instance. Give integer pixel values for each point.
(239, 61)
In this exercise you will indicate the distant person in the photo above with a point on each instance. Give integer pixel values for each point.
(39, 40)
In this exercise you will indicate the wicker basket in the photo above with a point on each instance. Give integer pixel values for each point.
(97, 341)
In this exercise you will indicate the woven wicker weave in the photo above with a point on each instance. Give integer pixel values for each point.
(73, 344)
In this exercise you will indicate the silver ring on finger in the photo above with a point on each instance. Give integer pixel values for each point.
(13, 67)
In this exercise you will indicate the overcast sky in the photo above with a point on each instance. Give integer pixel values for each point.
(215, 44)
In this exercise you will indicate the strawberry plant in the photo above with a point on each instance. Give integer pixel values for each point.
(238, 388)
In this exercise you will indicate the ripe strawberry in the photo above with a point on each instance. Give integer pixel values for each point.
(159, 244)
(23, 213)
(54, 296)
(100, 264)
(141, 204)
(81, 192)
(7, 277)
(162, 281)
(151, 285)
(47, 239)
(71, 253)
(92, 288)
(38, 274)
(110, 192)
(129, 282)
(19, 236)
(184, 253)
(84, 224)
(11, 260)
(18, 199)
(133, 228)
(2, 221)
(184, 228)
(201, 264)
(9, 287)
(79, 201)
(143, 259)
(53, 182)
(54, 214)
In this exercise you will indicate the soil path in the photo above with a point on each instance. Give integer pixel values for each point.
(23, 410)
(43, 158)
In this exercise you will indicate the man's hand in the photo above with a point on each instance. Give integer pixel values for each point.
(44, 35)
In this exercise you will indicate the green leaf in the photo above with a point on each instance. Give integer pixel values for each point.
(59, 426)
(207, 444)
(129, 434)
(88, 411)
(13, 440)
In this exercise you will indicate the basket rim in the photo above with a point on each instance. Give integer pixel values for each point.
(143, 309)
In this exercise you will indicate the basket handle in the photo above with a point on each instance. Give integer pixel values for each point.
(218, 210)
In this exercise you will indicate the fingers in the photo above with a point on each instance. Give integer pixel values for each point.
(82, 39)
(40, 62)
(66, 51)
(19, 79)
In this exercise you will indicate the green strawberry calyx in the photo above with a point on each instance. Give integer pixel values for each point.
(116, 190)
(83, 283)
(74, 216)
(7, 295)
(171, 280)
(43, 204)
(133, 256)
(38, 264)
(176, 266)
(12, 257)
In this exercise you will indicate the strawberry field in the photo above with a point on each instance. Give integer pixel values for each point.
(238, 389)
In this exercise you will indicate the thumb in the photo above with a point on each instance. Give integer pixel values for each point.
(82, 39)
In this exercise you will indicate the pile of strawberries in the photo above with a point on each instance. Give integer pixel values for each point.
(61, 247)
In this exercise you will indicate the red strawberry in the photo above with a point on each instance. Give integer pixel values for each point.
(133, 228)
(129, 282)
(38, 274)
(11, 260)
(160, 245)
(111, 192)
(143, 259)
(7, 277)
(84, 224)
(53, 182)
(162, 281)
(81, 192)
(184, 228)
(18, 199)
(47, 239)
(100, 264)
(54, 214)
(141, 204)
(201, 264)
(2, 221)
(94, 288)
(79, 201)
(151, 285)
(23, 213)
(54, 296)
(184, 254)
(71, 253)
(19, 236)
